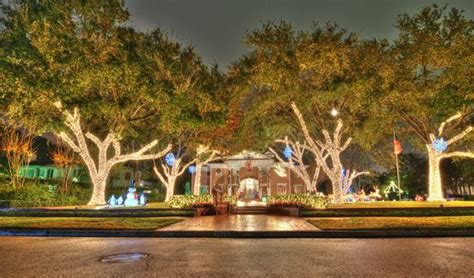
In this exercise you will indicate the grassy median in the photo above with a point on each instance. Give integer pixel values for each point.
(404, 204)
(85, 223)
(395, 223)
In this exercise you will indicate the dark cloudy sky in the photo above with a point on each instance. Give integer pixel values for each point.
(217, 27)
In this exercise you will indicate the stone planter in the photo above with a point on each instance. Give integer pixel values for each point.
(205, 211)
(290, 211)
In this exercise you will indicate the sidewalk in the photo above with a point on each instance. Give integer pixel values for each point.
(251, 223)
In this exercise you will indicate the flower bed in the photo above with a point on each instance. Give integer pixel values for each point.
(188, 201)
(298, 201)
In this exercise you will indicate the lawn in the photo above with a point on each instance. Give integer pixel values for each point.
(394, 223)
(85, 223)
(404, 204)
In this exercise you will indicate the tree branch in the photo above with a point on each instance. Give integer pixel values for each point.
(460, 135)
(459, 153)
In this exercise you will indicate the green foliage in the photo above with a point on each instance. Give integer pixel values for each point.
(299, 200)
(33, 194)
(187, 201)
(232, 200)
(155, 196)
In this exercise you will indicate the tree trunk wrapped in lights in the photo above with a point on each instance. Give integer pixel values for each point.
(202, 151)
(330, 148)
(436, 152)
(296, 157)
(100, 170)
(172, 172)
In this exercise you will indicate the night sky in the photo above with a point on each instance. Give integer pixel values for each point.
(216, 27)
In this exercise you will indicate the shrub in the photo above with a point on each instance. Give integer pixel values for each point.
(187, 201)
(231, 200)
(155, 196)
(299, 200)
(43, 195)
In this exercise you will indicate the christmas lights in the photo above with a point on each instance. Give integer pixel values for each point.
(294, 152)
(331, 148)
(100, 170)
(201, 151)
(437, 151)
(172, 169)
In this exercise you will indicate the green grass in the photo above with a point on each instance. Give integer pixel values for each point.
(79, 223)
(395, 223)
(151, 206)
(404, 204)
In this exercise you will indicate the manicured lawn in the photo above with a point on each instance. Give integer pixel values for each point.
(394, 223)
(154, 205)
(85, 223)
(404, 204)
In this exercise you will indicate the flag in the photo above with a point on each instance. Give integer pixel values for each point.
(397, 146)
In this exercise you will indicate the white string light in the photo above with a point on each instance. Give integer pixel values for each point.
(100, 171)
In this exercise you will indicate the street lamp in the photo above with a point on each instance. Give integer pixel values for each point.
(334, 112)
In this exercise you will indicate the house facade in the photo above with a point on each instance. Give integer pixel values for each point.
(251, 175)
(119, 177)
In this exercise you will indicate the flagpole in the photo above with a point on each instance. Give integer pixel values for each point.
(398, 171)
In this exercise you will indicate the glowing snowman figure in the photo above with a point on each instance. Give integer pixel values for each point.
(112, 201)
(132, 199)
(142, 199)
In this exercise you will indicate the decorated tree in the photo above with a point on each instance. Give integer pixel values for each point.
(426, 90)
(171, 168)
(294, 152)
(99, 168)
(323, 74)
(204, 155)
(81, 54)
(331, 147)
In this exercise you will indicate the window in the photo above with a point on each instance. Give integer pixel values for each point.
(281, 189)
(49, 174)
(298, 189)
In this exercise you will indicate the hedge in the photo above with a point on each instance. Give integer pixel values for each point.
(299, 200)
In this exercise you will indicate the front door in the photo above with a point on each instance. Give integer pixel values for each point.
(249, 189)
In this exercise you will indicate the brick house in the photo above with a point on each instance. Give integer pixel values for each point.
(251, 175)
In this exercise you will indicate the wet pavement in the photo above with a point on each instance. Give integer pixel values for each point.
(217, 257)
(258, 222)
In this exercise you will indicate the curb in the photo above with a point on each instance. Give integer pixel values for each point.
(239, 234)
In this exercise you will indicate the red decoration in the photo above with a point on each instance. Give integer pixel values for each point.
(397, 147)
(249, 165)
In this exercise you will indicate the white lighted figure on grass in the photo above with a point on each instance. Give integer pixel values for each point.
(392, 188)
(132, 198)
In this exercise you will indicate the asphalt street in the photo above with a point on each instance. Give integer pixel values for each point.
(220, 257)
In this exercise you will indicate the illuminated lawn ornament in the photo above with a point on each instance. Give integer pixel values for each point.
(287, 152)
(192, 169)
(392, 188)
(142, 199)
(170, 159)
(112, 201)
(132, 198)
(120, 201)
(440, 145)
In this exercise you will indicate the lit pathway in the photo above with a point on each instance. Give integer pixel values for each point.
(257, 222)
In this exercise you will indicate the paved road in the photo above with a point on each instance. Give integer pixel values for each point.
(178, 257)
